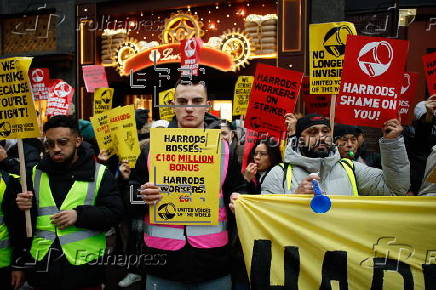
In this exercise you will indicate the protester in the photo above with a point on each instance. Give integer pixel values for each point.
(314, 153)
(189, 263)
(262, 159)
(428, 186)
(420, 145)
(9, 158)
(346, 140)
(75, 200)
(12, 233)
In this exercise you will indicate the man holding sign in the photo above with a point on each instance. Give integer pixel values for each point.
(189, 255)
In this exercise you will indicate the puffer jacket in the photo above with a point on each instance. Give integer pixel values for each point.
(394, 179)
(428, 187)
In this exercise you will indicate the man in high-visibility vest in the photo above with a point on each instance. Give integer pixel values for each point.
(12, 235)
(74, 201)
(189, 257)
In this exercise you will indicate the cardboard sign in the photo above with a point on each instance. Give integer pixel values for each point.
(40, 80)
(429, 61)
(165, 98)
(60, 98)
(408, 97)
(327, 48)
(190, 55)
(105, 141)
(124, 134)
(103, 100)
(352, 246)
(185, 164)
(371, 81)
(319, 104)
(242, 93)
(274, 93)
(94, 77)
(17, 111)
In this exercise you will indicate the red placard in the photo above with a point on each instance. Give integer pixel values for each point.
(408, 97)
(40, 80)
(189, 55)
(371, 80)
(273, 94)
(94, 77)
(319, 104)
(429, 61)
(60, 99)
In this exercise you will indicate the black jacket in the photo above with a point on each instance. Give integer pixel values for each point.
(32, 153)
(190, 264)
(107, 212)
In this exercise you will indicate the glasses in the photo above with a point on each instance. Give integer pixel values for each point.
(261, 153)
(60, 142)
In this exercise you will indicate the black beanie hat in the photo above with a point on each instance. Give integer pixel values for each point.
(341, 130)
(309, 121)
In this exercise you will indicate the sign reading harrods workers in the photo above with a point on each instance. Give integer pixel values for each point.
(165, 98)
(371, 81)
(286, 245)
(242, 93)
(103, 100)
(185, 164)
(40, 80)
(94, 77)
(327, 47)
(273, 94)
(60, 98)
(319, 104)
(124, 134)
(105, 141)
(190, 55)
(429, 61)
(408, 98)
(17, 111)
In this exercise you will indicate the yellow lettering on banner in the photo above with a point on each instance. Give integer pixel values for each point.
(105, 140)
(103, 100)
(17, 111)
(123, 130)
(242, 94)
(365, 242)
(165, 98)
(186, 165)
(327, 49)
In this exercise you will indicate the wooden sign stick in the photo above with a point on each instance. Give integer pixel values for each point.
(24, 185)
(332, 114)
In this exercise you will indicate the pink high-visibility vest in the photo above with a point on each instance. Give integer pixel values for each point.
(173, 238)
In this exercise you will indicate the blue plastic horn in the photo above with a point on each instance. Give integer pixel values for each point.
(320, 203)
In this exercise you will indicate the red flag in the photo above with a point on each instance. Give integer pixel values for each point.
(408, 98)
(319, 104)
(429, 61)
(190, 55)
(60, 100)
(40, 80)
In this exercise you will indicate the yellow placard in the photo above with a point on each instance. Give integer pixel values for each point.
(105, 141)
(103, 100)
(123, 130)
(242, 93)
(17, 111)
(327, 49)
(361, 243)
(165, 98)
(186, 164)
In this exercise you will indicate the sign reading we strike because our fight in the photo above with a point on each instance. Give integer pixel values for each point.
(371, 81)
(185, 164)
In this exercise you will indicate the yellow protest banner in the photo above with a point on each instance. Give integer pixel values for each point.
(103, 100)
(327, 49)
(105, 141)
(17, 112)
(123, 130)
(186, 163)
(361, 243)
(242, 93)
(165, 98)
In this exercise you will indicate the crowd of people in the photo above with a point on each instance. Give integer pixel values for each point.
(78, 195)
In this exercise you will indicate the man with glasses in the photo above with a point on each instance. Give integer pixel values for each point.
(188, 261)
(74, 201)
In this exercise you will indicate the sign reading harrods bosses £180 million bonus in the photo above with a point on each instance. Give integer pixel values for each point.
(186, 165)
